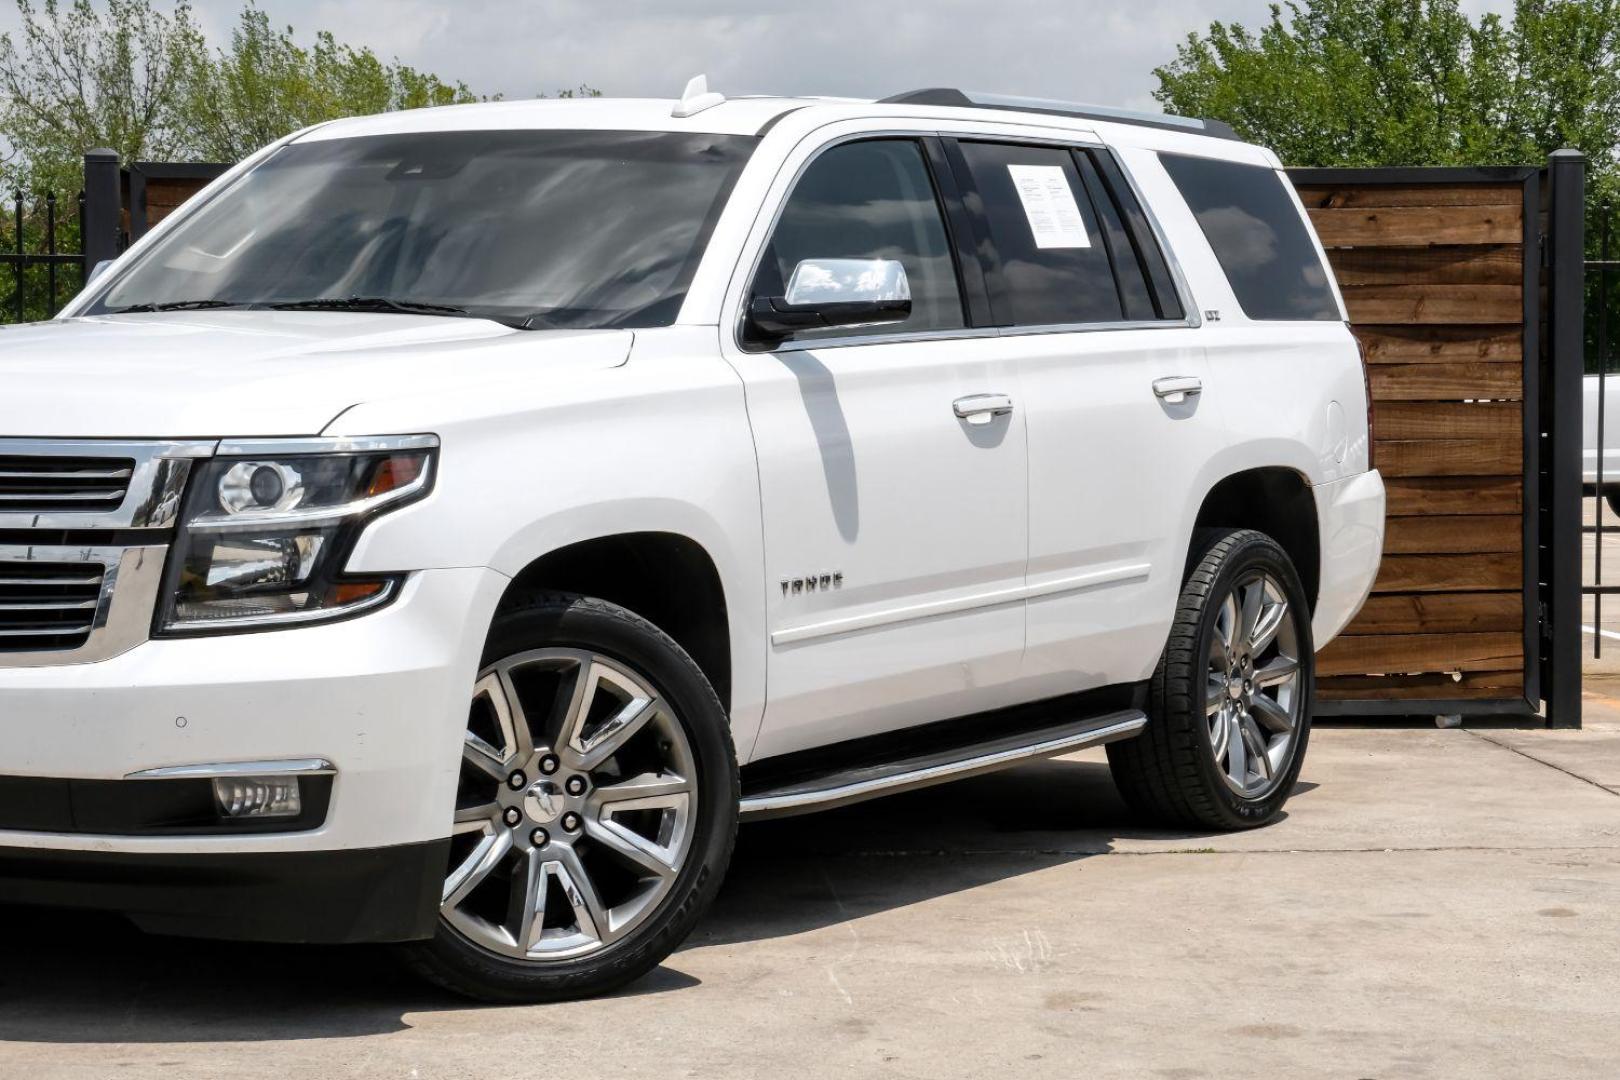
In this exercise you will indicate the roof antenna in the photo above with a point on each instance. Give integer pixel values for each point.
(695, 98)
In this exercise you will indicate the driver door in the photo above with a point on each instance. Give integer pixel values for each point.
(895, 507)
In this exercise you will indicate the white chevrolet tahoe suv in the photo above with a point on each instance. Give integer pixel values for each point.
(447, 525)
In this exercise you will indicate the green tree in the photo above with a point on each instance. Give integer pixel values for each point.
(1412, 82)
(121, 73)
(266, 85)
(74, 77)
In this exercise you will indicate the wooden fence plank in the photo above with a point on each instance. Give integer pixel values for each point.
(1440, 344)
(1474, 686)
(1453, 535)
(1440, 613)
(1446, 382)
(1417, 226)
(1406, 653)
(1471, 265)
(1450, 420)
(1432, 276)
(1449, 457)
(1443, 305)
(1324, 196)
(1410, 496)
(1495, 572)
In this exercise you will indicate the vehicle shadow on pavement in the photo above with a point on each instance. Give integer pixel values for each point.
(799, 874)
(68, 977)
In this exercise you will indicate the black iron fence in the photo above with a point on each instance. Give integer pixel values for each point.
(37, 276)
(49, 245)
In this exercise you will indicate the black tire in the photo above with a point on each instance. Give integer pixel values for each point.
(1612, 495)
(1170, 772)
(555, 620)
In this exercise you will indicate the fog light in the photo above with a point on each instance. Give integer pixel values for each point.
(238, 797)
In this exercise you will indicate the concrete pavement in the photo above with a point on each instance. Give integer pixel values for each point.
(1436, 904)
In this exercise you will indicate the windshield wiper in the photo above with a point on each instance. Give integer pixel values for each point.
(368, 303)
(176, 305)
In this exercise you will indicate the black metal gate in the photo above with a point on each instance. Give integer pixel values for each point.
(32, 263)
(45, 255)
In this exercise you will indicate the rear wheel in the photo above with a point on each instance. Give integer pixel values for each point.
(1230, 707)
(595, 812)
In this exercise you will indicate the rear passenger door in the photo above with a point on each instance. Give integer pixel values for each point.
(1114, 381)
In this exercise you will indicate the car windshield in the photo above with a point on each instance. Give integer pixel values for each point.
(576, 229)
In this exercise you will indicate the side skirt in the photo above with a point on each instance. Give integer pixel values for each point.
(886, 764)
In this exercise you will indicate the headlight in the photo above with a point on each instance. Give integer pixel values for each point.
(268, 527)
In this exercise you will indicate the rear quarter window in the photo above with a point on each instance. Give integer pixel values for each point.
(1258, 236)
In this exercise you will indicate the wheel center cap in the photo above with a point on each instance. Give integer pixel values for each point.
(543, 802)
(1234, 689)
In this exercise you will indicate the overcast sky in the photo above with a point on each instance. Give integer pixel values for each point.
(1078, 50)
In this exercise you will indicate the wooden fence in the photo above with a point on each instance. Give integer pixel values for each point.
(1439, 270)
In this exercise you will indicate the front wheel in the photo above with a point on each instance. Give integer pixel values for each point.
(1230, 702)
(595, 812)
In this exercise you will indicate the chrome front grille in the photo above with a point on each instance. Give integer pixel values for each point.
(40, 485)
(48, 605)
(85, 526)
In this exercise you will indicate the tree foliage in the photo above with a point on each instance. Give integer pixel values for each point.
(124, 74)
(1411, 82)
(74, 77)
(266, 85)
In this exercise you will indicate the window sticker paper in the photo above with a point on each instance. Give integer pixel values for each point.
(1049, 205)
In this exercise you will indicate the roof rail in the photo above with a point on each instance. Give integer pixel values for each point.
(958, 99)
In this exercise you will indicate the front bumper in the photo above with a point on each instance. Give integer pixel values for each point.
(323, 897)
(383, 698)
(1350, 520)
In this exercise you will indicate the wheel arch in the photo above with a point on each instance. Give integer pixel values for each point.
(667, 578)
(1277, 501)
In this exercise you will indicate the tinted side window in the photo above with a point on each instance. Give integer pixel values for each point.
(1047, 243)
(869, 200)
(1128, 275)
(1258, 236)
(1166, 301)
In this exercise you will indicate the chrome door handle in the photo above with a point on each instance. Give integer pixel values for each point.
(1178, 388)
(982, 408)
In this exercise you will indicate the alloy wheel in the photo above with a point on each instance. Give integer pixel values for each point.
(1254, 692)
(575, 808)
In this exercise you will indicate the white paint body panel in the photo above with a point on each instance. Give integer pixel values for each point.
(866, 471)
(981, 567)
(1099, 439)
(383, 698)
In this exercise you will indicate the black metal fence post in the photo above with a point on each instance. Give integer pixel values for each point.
(1562, 395)
(103, 209)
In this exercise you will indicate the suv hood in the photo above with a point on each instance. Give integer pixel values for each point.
(259, 373)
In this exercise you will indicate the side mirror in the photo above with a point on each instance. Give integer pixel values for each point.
(100, 268)
(825, 293)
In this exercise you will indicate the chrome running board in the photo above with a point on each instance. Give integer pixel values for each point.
(888, 778)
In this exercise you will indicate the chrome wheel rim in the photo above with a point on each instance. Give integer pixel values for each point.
(574, 810)
(1254, 693)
